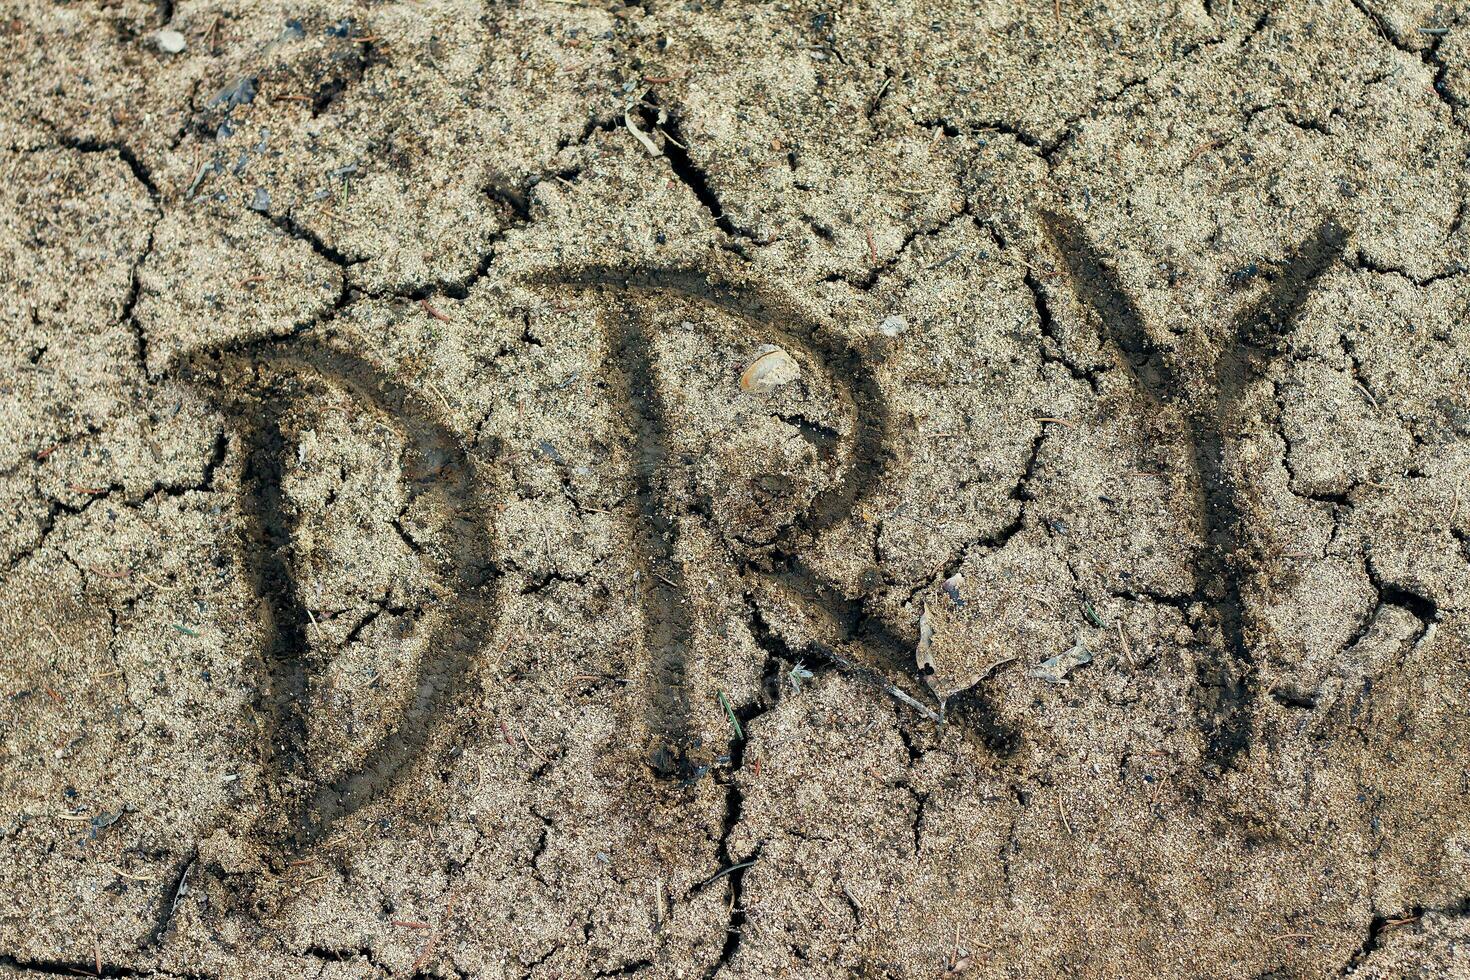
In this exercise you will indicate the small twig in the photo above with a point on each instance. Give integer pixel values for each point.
(1201, 150)
(720, 874)
(429, 309)
(1062, 811)
(641, 136)
(423, 957)
(532, 748)
(123, 874)
(336, 215)
(897, 693)
(877, 98)
(440, 395)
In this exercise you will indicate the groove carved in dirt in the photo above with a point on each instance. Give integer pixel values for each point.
(1213, 418)
(860, 644)
(255, 385)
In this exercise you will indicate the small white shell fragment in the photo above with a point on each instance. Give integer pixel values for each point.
(170, 42)
(893, 326)
(771, 369)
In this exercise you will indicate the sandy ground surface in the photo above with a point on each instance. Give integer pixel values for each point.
(734, 490)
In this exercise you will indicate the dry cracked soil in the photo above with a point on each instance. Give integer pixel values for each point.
(734, 490)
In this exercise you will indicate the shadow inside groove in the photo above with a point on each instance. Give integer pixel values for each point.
(1258, 335)
(255, 385)
(668, 632)
(877, 655)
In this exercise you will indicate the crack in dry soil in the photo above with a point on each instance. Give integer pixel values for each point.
(62, 968)
(1048, 150)
(1429, 55)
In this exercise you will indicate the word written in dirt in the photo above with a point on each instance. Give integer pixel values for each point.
(256, 384)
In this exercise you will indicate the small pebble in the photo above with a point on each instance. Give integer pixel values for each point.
(1054, 670)
(170, 42)
(261, 201)
(893, 326)
(550, 452)
(239, 92)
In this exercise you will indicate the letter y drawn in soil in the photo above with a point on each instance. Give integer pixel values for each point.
(1214, 418)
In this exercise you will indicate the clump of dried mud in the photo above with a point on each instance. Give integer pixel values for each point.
(405, 573)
